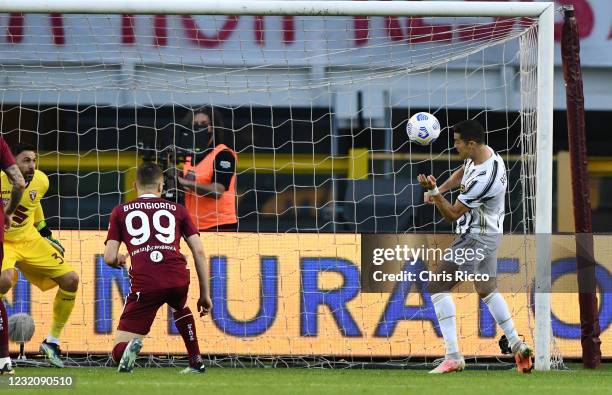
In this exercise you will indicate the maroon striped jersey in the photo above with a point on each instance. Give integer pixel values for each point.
(152, 228)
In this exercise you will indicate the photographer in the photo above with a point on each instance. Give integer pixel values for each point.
(209, 178)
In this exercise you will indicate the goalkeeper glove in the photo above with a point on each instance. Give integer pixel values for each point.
(45, 232)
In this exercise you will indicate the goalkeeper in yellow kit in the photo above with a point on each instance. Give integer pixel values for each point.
(30, 247)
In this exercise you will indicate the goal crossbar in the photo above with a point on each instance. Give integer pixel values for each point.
(305, 8)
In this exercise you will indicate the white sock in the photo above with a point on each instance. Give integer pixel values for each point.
(446, 313)
(51, 339)
(499, 310)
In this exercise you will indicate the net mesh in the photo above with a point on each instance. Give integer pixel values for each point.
(316, 110)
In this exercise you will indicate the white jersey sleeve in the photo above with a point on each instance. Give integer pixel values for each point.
(480, 184)
(483, 189)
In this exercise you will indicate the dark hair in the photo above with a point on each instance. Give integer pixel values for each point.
(148, 173)
(470, 130)
(216, 120)
(18, 148)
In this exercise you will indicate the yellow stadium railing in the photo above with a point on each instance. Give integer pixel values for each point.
(355, 165)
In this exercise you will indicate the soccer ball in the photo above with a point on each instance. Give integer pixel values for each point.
(423, 128)
(21, 327)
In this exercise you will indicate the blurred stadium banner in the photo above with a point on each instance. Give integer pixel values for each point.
(299, 294)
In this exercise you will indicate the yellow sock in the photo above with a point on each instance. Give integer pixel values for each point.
(62, 307)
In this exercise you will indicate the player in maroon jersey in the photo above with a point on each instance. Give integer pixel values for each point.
(8, 165)
(151, 228)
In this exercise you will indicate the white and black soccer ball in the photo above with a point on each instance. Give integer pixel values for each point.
(423, 128)
(21, 327)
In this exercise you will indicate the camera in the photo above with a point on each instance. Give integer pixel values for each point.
(171, 148)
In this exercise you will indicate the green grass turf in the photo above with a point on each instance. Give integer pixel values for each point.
(217, 381)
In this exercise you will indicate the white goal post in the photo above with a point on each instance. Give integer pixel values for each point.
(542, 11)
(304, 8)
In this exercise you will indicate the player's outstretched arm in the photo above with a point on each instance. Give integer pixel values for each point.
(452, 182)
(111, 254)
(197, 250)
(449, 212)
(41, 226)
(16, 178)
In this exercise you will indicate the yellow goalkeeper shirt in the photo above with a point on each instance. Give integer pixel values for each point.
(29, 211)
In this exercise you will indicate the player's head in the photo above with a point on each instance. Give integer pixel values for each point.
(25, 156)
(469, 136)
(149, 179)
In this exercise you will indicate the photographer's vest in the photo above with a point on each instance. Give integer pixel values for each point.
(208, 212)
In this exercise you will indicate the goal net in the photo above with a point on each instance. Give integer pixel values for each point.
(314, 99)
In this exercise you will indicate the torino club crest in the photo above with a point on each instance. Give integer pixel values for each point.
(156, 256)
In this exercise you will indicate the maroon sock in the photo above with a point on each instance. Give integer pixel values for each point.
(186, 326)
(118, 351)
(4, 335)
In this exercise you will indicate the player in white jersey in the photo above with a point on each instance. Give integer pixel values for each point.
(479, 212)
(483, 188)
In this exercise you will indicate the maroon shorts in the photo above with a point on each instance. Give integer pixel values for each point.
(141, 307)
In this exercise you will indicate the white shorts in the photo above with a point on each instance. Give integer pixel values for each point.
(475, 253)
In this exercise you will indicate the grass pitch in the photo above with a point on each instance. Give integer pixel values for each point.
(217, 381)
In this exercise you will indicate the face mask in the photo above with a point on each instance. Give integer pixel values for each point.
(200, 128)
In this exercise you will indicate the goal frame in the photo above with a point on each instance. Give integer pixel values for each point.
(543, 11)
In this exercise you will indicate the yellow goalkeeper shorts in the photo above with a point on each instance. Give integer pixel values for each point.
(37, 260)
